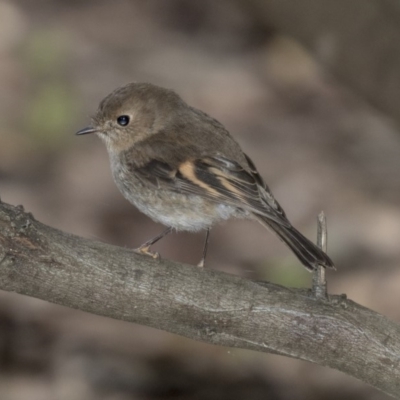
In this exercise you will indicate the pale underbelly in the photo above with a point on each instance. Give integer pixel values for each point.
(183, 212)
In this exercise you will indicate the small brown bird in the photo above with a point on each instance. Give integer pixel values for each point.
(182, 168)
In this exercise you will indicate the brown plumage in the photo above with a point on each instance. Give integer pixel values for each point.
(182, 168)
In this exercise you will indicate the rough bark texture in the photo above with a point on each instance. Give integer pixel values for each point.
(355, 39)
(202, 304)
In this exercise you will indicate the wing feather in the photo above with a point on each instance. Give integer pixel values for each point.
(218, 179)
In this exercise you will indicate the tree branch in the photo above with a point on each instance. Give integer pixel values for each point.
(201, 304)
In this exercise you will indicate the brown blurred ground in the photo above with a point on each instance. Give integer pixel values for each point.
(316, 144)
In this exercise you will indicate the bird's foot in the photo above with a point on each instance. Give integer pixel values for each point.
(145, 250)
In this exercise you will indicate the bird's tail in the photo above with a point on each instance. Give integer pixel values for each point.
(306, 251)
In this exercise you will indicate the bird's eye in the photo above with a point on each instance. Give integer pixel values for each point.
(123, 120)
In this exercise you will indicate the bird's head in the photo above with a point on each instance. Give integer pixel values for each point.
(132, 113)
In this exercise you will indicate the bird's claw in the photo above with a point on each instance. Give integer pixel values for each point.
(201, 263)
(145, 250)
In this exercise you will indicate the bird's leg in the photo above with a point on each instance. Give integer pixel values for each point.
(145, 247)
(203, 259)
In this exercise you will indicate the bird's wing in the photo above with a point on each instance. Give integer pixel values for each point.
(216, 178)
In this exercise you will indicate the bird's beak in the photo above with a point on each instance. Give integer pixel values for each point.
(86, 130)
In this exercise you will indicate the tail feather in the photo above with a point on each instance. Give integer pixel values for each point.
(306, 251)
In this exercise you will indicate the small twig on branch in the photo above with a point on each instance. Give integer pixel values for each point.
(201, 304)
(319, 284)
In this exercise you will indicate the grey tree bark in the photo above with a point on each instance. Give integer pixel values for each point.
(201, 304)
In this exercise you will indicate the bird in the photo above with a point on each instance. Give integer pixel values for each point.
(183, 169)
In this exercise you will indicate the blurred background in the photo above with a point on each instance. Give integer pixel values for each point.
(319, 145)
